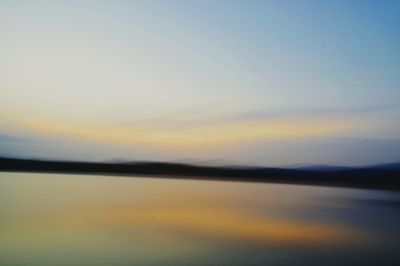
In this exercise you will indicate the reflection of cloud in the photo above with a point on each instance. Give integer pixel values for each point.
(239, 225)
(227, 223)
(141, 218)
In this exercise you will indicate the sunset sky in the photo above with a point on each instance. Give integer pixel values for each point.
(243, 82)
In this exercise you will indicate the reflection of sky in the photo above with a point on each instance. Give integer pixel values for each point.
(50, 218)
(165, 79)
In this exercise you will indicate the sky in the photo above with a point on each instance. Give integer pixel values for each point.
(227, 82)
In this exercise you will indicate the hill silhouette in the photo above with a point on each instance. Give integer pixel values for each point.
(373, 177)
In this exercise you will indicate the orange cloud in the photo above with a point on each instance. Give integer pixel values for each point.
(197, 136)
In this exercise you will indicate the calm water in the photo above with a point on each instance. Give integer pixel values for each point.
(54, 219)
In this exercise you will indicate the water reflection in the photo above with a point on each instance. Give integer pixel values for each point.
(51, 219)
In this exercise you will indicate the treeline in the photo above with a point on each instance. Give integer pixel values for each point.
(368, 177)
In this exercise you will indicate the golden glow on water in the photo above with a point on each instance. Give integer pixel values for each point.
(228, 223)
(148, 220)
(231, 224)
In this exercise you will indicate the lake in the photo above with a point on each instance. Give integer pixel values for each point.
(57, 219)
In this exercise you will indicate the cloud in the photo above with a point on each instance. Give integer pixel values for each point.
(216, 115)
(258, 137)
(10, 138)
(315, 112)
(198, 136)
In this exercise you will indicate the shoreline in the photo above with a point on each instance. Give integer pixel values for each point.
(364, 178)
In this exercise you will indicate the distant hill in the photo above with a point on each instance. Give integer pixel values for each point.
(325, 168)
(375, 177)
(393, 166)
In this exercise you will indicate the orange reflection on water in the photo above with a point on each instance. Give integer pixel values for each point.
(147, 221)
(229, 222)
(240, 225)
(186, 210)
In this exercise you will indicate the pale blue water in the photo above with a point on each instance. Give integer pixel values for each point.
(54, 219)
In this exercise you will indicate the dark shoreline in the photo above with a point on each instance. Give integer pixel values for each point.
(368, 177)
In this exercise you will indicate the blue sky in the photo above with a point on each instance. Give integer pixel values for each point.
(244, 81)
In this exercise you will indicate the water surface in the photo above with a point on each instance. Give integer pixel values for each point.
(55, 219)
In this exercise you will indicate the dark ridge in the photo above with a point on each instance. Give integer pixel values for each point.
(369, 177)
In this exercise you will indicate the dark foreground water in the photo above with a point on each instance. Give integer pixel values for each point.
(54, 219)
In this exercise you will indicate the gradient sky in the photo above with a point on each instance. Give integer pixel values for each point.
(245, 82)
